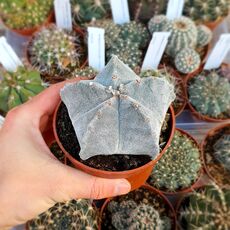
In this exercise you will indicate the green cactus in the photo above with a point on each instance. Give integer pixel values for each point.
(87, 10)
(204, 35)
(88, 72)
(57, 152)
(18, 87)
(24, 14)
(179, 167)
(127, 51)
(74, 214)
(55, 51)
(157, 23)
(207, 208)
(187, 61)
(222, 151)
(209, 94)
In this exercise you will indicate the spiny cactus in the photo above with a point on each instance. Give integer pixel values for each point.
(179, 167)
(54, 51)
(88, 72)
(209, 94)
(18, 87)
(207, 208)
(74, 214)
(222, 151)
(204, 35)
(87, 10)
(127, 51)
(24, 14)
(57, 152)
(157, 23)
(187, 61)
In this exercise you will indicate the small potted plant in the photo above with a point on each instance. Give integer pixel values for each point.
(179, 170)
(74, 214)
(111, 153)
(25, 17)
(208, 94)
(18, 87)
(216, 151)
(206, 208)
(56, 53)
(144, 208)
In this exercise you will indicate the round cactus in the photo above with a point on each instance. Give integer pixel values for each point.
(209, 94)
(157, 23)
(88, 72)
(204, 35)
(18, 87)
(179, 167)
(74, 214)
(187, 61)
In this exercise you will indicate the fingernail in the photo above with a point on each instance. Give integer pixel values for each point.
(122, 187)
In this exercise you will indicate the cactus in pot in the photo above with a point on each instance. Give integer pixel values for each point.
(204, 35)
(157, 23)
(18, 87)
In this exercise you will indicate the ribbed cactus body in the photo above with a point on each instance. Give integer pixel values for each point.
(157, 23)
(18, 87)
(204, 35)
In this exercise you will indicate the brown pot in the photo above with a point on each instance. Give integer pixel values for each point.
(31, 31)
(136, 177)
(212, 25)
(153, 190)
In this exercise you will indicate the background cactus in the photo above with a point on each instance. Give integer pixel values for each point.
(24, 14)
(88, 72)
(204, 35)
(187, 61)
(87, 10)
(179, 167)
(209, 94)
(18, 87)
(207, 208)
(74, 214)
(157, 23)
(55, 51)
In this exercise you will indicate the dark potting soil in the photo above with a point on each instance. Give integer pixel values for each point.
(67, 137)
(141, 195)
(57, 152)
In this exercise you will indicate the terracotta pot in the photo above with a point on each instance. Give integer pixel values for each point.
(31, 31)
(136, 177)
(212, 25)
(199, 182)
(153, 190)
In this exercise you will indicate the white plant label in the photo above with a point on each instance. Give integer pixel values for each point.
(219, 52)
(8, 57)
(120, 11)
(155, 50)
(2, 119)
(63, 14)
(174, 9)
(96, 48)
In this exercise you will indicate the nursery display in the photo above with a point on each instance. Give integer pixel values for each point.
(18, 87)
(206, 208)
(56, 52)
(180, 167)
(216, 151)
(74, 214)
(25, 17)
(209, 95)
(144, 208)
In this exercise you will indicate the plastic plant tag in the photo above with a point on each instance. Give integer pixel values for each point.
(113, 112)
(155, 50)
(120, 11)
(2, 119)
(8, 57)
(63, 14)
(174, 9)
(219, 52)
(96, 48)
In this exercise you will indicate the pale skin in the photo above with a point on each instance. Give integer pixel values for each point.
(31, 179)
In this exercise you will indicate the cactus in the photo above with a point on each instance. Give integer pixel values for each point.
(157, 23)
(222, 151)
(74, 214)
(209, 94)
(87, 10)
(179, 167)
(187, 61)
(127, 51)
(204, 35)
(57, 152)
(88, 72)
(18, 87)
(55, 51)
(207, 208)
(24, 14)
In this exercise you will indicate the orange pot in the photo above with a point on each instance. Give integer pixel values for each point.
(212, 25)
(136, 177)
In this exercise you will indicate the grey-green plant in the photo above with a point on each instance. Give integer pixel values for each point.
(157, 23)
(87, 72)
(204, 35)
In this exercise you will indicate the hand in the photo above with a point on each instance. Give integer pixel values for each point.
(31, 179)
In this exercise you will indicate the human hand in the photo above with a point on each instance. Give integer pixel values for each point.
(31, 179)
